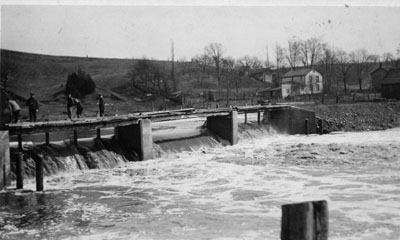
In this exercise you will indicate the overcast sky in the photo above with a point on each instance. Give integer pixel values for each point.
(126, 31)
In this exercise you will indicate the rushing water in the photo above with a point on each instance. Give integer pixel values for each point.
(219, 192)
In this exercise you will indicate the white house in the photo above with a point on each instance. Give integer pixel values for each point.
(301, 82)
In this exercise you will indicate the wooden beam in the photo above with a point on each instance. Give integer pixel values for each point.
(39, 174)
(19, 169)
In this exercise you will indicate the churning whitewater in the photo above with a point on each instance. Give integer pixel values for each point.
(200, 189)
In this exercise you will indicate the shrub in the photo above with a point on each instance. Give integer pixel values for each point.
(79, 84)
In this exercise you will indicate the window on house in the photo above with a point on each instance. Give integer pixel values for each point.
(288, 90)
(310, 79)
(317, 79)
(317, 87)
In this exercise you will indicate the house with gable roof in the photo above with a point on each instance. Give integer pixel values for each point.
(301, 82)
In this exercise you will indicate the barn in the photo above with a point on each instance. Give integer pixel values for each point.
(391, 84)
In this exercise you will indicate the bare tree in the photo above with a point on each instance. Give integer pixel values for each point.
(204, 61)
(359, 59)
(328, 60)
(228, 65)
(183, 64)
(250, 63)
(293, 52)
(216, 51)
(280, 56)
(388, 57)
(343, 64)
(310, 51)
(398, 52)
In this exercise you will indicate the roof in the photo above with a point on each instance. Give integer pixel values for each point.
(393, 76)
(270, 89)
(380, 68)
(299, 72)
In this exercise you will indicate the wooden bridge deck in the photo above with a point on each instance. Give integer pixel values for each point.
(123, 120)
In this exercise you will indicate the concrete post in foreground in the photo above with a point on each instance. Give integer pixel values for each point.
(5, 170)
(137, 137)
(225, 127)
(305, 221)
(146, 139)
(19, 170)
(39, 174)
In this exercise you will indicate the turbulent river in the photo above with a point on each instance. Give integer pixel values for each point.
(220, 192)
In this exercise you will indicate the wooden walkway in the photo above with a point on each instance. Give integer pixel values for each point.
(123, 120)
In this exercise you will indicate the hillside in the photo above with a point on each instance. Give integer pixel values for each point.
(46, 76)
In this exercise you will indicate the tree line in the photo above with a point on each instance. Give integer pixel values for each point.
(338, 67)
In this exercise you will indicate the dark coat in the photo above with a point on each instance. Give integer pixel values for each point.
(32, 104)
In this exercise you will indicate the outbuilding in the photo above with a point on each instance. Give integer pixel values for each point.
(391, 84)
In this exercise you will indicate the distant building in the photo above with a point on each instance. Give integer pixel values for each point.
(262, 75)
(270, 93)
(390, 85)
(377, 76)
(301, 82)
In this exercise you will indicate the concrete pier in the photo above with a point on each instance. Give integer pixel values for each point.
(137, 137)
(291, 120)
(5, 170)
(225, 127)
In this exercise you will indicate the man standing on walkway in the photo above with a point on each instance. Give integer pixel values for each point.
(33, 107)
(14, 107)
(79, 108)
(101, 105)
(70, 103)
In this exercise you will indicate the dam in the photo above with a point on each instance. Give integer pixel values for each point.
(134, 131)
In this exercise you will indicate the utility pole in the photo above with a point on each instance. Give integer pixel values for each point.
(173, 66)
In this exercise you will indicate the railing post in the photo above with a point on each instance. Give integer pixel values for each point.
(305, 221)
(306, 127)
(258, 117)
(75, 137)
(19, 142)
(39, 174)
(19, 169)
(98, 133)
(245, 117)
(47, 138)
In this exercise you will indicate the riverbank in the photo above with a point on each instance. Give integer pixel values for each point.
(364, 116)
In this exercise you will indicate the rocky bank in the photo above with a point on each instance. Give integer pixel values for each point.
(358, 116)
